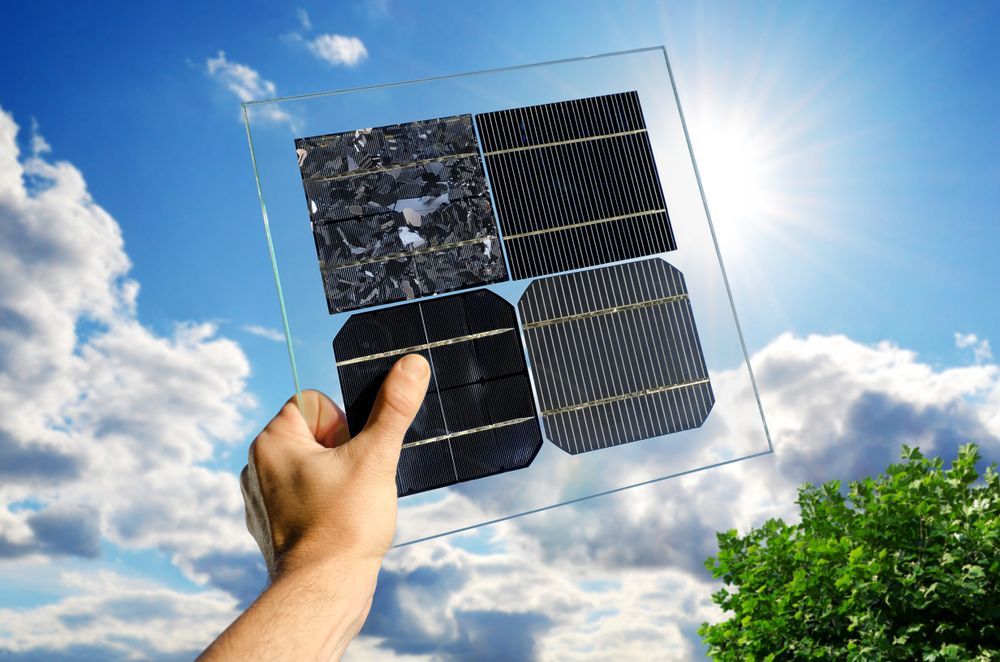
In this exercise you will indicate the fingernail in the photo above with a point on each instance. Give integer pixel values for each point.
(414, 365)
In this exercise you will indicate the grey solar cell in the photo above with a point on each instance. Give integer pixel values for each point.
(615, 355)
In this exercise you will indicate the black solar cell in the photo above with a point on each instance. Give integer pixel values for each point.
(478, 417)
(575, 184)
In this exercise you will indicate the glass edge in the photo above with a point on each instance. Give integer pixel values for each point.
(274, 261)
(718, 250)
(428, 79)
(284, 316)
(581, 499)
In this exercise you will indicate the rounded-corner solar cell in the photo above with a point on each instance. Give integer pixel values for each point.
(478, 417)
(615, 355)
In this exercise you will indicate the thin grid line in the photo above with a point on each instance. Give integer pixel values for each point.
(607, 311)
(423, 346)
(437, 388)
(568, 141)
(460, 433)
(409, 164)
(581, 224)
(325, 267)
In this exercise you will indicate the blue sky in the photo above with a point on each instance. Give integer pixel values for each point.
(849, 152)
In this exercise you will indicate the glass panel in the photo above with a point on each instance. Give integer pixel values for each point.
(473, 218)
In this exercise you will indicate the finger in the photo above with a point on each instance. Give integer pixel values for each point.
(326, 421)
(397, 403)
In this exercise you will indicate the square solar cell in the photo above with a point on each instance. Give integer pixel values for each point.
(399, 212)
(615, 355)
(478, 417)
(575, 184)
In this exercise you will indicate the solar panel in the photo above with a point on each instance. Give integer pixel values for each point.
(399, 212)
(575, 184)
(615, 355)
(478, 417)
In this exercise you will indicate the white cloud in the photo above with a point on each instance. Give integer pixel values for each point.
(38, 144)
(981, 351)
(303, 17)
(115, 429)
(246, 84)
(338, 49)
(621, 576)
(107, 425)
(265, 332)
(110, 616)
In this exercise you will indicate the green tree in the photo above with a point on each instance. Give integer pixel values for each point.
(906, 566)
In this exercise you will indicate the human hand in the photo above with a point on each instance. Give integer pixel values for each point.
(322, 507)
(313, 493)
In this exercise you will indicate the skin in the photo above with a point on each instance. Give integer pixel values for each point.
(331, 504)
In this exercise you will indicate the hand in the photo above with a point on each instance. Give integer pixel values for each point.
(312, 492)
(322, 507)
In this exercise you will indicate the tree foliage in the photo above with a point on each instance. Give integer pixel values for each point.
(905, 566)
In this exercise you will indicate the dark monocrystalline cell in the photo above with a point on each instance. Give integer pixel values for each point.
(400, 212)
(478, 417)
(575, 184)
(615, 355)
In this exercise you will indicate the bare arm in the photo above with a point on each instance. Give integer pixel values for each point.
(322, 507)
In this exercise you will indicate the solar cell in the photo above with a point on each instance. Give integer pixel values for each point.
(478, 417)
(575, 184)
(399, 212)
(615, 355)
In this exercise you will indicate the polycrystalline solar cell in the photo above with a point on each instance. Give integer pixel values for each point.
(615, 355)
(399, 212)
(478, 417)
(575, 184)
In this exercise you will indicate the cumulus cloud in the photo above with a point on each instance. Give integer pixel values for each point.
(246, 84)
(107, 426)
(980, 347)
(338, 50)
(113, 617)
(621, 576)
(111, 443)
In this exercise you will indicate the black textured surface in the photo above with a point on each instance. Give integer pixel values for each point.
(615, 355)
(477, 382)
(575, 184)
(399, 212)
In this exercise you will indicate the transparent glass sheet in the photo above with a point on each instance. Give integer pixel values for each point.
(539, 233)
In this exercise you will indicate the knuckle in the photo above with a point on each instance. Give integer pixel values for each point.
(400, 403)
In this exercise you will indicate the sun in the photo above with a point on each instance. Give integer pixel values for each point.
(738, 170)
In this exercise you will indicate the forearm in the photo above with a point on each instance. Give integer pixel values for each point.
(310, 612)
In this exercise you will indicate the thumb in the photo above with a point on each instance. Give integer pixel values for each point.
(397, 403)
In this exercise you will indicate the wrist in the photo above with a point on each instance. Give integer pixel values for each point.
(328, 564)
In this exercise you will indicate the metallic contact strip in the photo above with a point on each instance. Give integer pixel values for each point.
(427, 345)
(408, 164)
(627, 396)
(571, 141)
(324, 267)
(584, 223)
(605, 311)
(484, 428)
